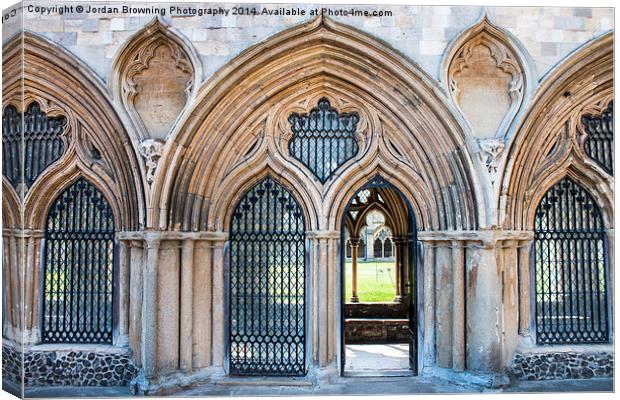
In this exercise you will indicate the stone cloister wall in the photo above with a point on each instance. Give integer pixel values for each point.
(231, 82)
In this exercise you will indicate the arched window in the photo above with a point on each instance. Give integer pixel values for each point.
(378, 248)
(361, 250)
(570, 256)
(78, 273)
(41, 143)
(387, 248)
(267, 283)
(599, 144)
(324, 139)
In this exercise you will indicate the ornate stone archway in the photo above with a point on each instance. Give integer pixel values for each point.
(549, 145)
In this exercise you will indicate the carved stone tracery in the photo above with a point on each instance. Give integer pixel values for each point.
(154, 76)
(157, 85)
(486, 80)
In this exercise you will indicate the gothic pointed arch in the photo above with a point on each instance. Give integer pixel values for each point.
(155, 75)
(550, 140)
(241, 118)
(95, 141)
(488, 75)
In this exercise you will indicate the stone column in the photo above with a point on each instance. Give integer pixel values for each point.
(458, 312)
(187, 293)
(429, 304)
(202, 327)
(136, 255)
(524, 288)
(218, 307)
(399, 264)
(355, 241)
(484, 307)
(323, 292)
(323, 295)
(123, 296)
(150, 308)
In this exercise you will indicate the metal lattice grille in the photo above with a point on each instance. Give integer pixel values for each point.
(570, 256)
(41, 143)
(599, 144)
(79, 264)
(323, 140)
(267, 283)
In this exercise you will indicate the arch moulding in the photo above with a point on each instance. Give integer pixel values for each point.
(96, 143)
(240, 126)
(549, 142)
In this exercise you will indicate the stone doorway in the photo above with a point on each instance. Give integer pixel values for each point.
(378, 308)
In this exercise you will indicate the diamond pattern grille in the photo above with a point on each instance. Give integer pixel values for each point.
(599, 144)
(78, 270)
(41, 143)
(267, 283)
(570, 257)
(323, 140)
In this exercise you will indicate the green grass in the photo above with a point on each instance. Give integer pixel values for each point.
(375, 281)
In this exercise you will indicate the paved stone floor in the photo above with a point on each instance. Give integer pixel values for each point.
(346, 386)
(369, 359)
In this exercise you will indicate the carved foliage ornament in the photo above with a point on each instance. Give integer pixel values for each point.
(486, 82)
(157, 84)
(151, 150)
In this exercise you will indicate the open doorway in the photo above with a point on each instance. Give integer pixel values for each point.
(379, 324)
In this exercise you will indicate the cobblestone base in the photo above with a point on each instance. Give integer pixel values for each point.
(71, 368)
(562, 365)
(11, 364)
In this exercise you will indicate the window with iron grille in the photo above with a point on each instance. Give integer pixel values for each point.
(324, 139)
(267, 283)
(570, 256)
(378, 248)
(599, 144)
(78, 267)
(41, 143)
(387, 248)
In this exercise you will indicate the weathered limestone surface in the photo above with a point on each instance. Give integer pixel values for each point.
(548, 33)
(473, 196)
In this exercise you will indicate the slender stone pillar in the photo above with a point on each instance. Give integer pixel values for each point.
(323, 301)
(429, 304)
(136, 253)
(187, 293)
(150, 308)
(525, 295)
(31, 266)
(123, 304)
(458, 311)
(217, 285)
(355, 241)
(399, 265)
(201, 326)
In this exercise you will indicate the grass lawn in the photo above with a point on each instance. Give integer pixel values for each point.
(375, 281)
